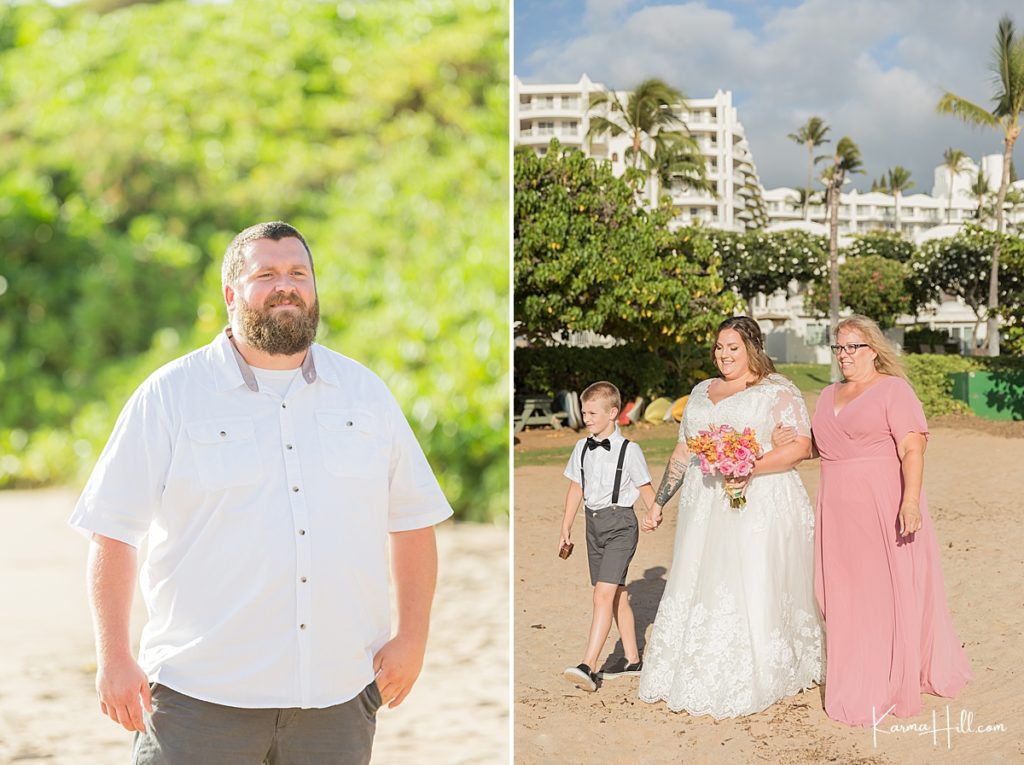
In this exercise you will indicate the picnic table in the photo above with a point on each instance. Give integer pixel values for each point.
(536, 410)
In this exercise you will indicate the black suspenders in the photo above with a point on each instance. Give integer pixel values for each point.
(618, 471)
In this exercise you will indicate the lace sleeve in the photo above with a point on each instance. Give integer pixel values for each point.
(789, 408)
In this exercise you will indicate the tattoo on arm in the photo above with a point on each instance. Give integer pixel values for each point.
(670, 482)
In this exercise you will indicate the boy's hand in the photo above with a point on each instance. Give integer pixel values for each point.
(652, 519)
(563, 540)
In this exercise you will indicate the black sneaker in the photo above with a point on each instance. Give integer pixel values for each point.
(581, 677)
(622, 668)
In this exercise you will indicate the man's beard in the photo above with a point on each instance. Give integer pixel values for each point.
(280, 332)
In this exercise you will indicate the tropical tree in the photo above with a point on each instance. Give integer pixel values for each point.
(587, 257)
(1008, 65)
(811, 135)
(955, 161)
(980, 192)
(649, 120)
(897, 181)
(871, 285)
(681, 164)
(881, 185)
(845, 161)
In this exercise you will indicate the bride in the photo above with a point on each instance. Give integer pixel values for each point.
(737, 628)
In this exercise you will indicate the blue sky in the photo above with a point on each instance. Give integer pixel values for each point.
(873, 69)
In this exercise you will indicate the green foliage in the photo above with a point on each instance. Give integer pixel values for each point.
(588, 258)
(916, 336)
(636, 372)
(757, 261)
(930, 376)
(136, 143)
(869, 285)
(885, 244)
(960, 265)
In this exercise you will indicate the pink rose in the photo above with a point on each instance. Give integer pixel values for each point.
(727, 467)
(743, 468)
(705, 466)
(742, 454)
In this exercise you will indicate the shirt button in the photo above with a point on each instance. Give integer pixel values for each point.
(288, 446)
(223, 434)
(303, 579)
(295, 488)
(349, 423)
(302, 626)
(302, 532)
(284, 406)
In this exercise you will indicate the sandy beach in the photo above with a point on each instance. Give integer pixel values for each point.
(974, 482)
(48, 708)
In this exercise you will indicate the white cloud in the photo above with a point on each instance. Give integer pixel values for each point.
(872, 69)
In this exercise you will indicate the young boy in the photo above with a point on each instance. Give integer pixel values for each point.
(608, 473)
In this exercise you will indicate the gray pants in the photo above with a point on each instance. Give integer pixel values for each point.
(186, 731)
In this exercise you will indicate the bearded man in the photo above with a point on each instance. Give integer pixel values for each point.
(270, 475)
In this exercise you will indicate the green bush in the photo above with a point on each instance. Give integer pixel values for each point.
(137, 142)
(636, 372)
(930, 376)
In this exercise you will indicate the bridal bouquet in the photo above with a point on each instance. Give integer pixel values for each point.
(724, 450)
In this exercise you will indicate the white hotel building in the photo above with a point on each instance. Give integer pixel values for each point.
(546, 111)
(562, 111)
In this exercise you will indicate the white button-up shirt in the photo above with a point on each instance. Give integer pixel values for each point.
(266, 580)
(601, 464)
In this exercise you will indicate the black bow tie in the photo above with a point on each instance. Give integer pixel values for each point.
(593, 444)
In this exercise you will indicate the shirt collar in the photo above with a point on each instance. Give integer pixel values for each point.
(229, 375)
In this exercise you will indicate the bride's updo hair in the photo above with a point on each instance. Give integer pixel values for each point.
(753, 339)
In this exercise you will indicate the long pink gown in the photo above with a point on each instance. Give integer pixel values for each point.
(888, 633)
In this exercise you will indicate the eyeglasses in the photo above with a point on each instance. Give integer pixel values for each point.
(850, 348)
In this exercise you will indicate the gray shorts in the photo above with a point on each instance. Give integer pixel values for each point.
(612, 534)
(185, 731)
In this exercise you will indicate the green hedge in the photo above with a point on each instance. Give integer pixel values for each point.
(636, 372)
(930, 376)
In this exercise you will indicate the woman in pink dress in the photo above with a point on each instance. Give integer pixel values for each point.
(888, 633)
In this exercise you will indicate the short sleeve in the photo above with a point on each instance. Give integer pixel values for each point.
(789, 408)
(415, 499)
(572, 468)
(903, 411)
(638, 472)
(124, 489)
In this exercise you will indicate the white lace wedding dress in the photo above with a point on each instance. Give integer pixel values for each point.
(738, 627)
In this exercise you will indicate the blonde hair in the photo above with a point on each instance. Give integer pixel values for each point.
(749, 330)
(603, 390)
(887, 362)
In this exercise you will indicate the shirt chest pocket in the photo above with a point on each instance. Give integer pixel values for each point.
(351, 442)
(225, 451)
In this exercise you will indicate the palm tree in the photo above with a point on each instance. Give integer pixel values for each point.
(897, 181)
(812, 135)
(955, 161)
(1008, 65)
(846, 160)
(881, 185)
(807, 197)
(979, 190)
(682, 164)
(649, 120)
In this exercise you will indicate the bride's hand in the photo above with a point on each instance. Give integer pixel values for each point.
(736, 486)
(782, 435)
(652, 519)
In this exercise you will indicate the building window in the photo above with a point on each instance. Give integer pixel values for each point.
(525, 127)
(545, 128)
(570, 102)
(615, 156)
(571, 127)
(524, 101)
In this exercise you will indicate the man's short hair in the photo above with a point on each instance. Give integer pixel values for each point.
(603, 390)
(234, 256)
